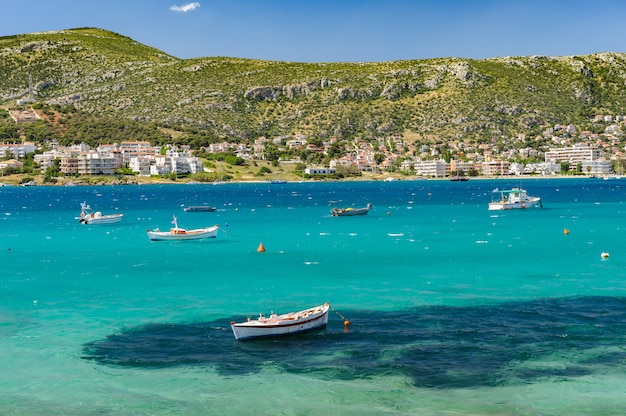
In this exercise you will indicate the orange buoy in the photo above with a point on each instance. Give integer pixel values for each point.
(565, 231)
(261, 249)
(346, 323)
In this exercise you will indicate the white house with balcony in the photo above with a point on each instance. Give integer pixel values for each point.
(431, 168)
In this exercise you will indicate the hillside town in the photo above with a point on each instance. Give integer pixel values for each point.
(569, 151)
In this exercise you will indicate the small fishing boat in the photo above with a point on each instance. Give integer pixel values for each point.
(348, 212)
(515, 198)
(199, 208)
(281, 325)
(177, 233)
(88, 216)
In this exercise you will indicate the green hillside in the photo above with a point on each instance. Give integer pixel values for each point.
(112, 76)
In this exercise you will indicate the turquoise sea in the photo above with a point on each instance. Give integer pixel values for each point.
(454, 310)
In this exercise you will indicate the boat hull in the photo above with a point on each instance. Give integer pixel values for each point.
(182, 235)
(282, 325)
(102, 219)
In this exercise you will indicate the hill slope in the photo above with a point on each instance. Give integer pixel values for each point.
(436, 99)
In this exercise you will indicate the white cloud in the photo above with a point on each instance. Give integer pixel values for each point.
(186, 7)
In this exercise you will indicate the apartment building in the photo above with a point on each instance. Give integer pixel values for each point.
(573, 155)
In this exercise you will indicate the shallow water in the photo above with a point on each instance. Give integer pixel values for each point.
(453, 309)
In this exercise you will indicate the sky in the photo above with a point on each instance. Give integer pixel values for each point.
(339, 30)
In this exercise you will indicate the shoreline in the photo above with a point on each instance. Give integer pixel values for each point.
(17, 180)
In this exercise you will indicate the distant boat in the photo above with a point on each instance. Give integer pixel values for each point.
(177, 233)
(277, 181)
(515, 198)
(459, 178)
(348, 212)
(280, 325)
(87, 216)
(199, 208)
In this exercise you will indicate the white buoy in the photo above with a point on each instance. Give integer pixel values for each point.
(604, 255)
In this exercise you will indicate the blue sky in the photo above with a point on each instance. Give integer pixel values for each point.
(339, 30)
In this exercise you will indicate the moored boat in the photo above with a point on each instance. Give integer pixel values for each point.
(177, 233)
(280, 325)
(348, 212)
(515, 198)
(88, 216)
(199, 208)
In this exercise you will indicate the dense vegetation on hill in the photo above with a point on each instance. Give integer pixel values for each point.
(100, 85)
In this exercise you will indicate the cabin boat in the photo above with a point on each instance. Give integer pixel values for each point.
(515, 198)
(88, 216)
(177, 233)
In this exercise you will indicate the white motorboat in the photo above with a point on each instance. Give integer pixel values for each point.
(515, 198)
(88, 216)
(177, 233)
(281, 325)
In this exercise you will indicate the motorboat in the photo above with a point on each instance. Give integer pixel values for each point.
(88, 216)
(280, 325)
(199, 208)
(348, 212)
(177, 233)
(515, 198)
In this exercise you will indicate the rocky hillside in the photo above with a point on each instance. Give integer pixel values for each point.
(109, 74)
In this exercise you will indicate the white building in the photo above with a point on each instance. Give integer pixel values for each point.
(141, 165)
(18, 151)
(597, 167)
(543, 168)
(432, 168)
(166, 164)
(573, 155)
(320, 171)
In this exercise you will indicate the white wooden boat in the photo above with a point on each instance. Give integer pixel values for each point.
(177, 233)
(515, 198)
(348, 212)
(88, 216)
(281, 325)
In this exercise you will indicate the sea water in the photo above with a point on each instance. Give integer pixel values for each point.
(453, 309)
